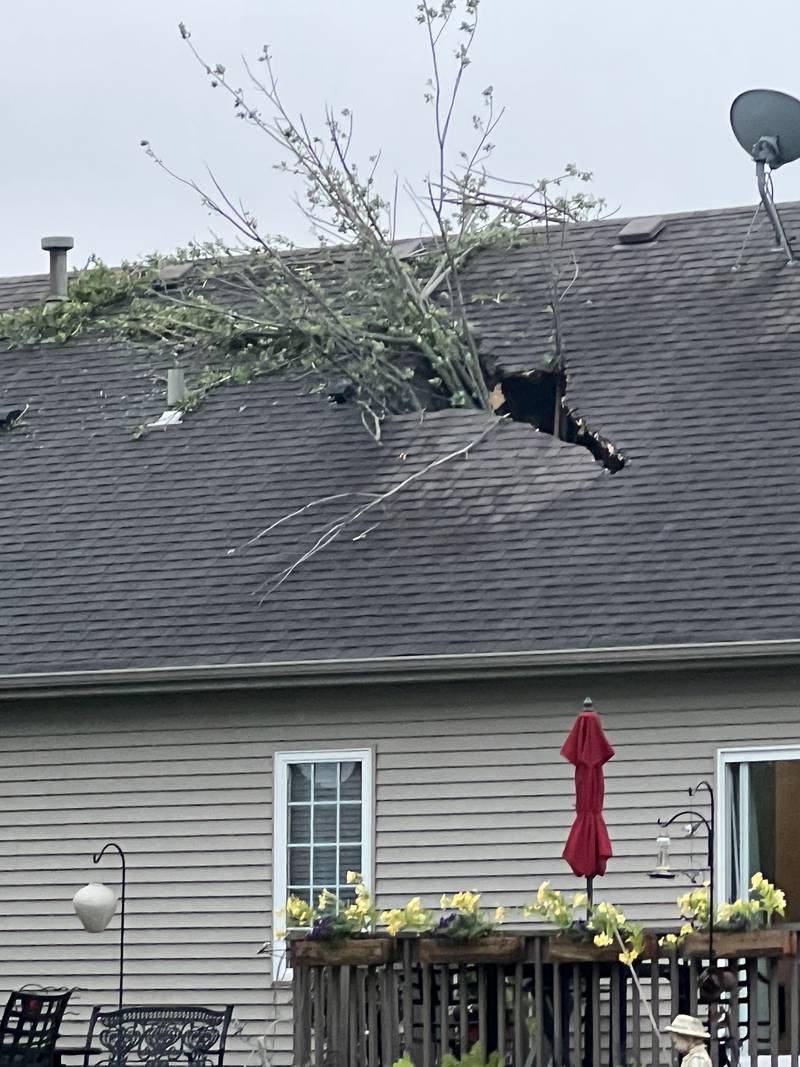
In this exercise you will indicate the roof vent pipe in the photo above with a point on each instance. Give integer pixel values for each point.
(58, 248)
(176, 387)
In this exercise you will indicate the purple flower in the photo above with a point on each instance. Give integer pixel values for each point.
(445, 923)
(321, 928)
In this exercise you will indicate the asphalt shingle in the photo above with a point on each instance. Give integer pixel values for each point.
(117, 553)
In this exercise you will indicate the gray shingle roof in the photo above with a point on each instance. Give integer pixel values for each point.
(17, 292)
(115, 552)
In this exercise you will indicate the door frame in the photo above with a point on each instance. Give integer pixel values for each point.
(726, 757)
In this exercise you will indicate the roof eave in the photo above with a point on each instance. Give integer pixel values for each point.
(403, 668)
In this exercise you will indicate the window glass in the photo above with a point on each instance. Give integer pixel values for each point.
(760, 824)
(324, 827)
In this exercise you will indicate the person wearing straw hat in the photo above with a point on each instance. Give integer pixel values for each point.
(689, 1038)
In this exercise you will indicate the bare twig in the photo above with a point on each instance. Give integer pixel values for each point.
(292, 515)
(342, 524)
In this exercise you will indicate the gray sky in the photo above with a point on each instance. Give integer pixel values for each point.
(634, 90)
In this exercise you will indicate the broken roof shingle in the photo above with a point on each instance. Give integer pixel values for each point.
(116, 552)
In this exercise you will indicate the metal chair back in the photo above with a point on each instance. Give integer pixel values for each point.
(29, 1028)
(160, 1035)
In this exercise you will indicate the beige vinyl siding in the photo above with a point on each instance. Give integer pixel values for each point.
(470, 792)
(193, 814)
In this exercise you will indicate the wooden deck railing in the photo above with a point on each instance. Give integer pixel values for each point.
(538, 1002)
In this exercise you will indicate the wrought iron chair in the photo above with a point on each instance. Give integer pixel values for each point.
(29, 1028)
(146, 1035)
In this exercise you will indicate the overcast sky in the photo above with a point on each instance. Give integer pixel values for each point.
(635, 90)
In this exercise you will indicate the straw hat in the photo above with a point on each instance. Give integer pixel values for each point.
(687, 1026)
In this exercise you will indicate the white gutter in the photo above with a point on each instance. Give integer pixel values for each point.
(273, 674)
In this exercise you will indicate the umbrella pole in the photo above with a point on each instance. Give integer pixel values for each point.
(590, 892)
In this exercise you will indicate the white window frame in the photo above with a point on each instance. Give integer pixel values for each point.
(282, 761)
(726, 757)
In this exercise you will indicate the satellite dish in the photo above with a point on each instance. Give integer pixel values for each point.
(766, 122)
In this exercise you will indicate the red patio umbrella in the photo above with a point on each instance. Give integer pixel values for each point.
(588, 846)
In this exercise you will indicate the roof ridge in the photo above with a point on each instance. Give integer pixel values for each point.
(672, 216)
(608, 220)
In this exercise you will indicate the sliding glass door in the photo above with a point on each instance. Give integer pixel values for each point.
(759, 821)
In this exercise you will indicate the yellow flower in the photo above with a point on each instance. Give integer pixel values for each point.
(580, 900)
(686, 929)
(757, 880)
(669, 939)
(414, 905)
(499, 914)
(299, 911)
(541, 892)
(604, 908)
(280, 934)
(628, 958)
(603, 940)
(396, 924)
(466, 901)
(755, 906)
(354, 876)
(444, 902)
(394, 919)
(361, 890)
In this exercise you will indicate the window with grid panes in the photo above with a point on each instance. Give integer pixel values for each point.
(324, 827)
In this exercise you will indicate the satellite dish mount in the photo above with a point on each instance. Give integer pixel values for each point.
(766, 124)
(765, 145)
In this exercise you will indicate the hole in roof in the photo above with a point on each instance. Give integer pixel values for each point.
(8, 416)
(532, 398)
(536, 397)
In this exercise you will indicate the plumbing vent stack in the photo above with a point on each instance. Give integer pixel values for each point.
(176, 387)
(58, 248)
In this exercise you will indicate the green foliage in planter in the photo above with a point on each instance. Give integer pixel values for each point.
(554, 907)
(754, 912)
(333, 919)
(463, 918)
(604, 924)
(412, 918)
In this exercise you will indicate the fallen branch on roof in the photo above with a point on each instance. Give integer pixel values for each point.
(347, 521)
(395, 329)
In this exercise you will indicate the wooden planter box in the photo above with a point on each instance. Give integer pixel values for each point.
(570, 950)
(349, 952)
(747, 944)
(495, 948)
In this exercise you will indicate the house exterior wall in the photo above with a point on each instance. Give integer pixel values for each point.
(470, 792)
